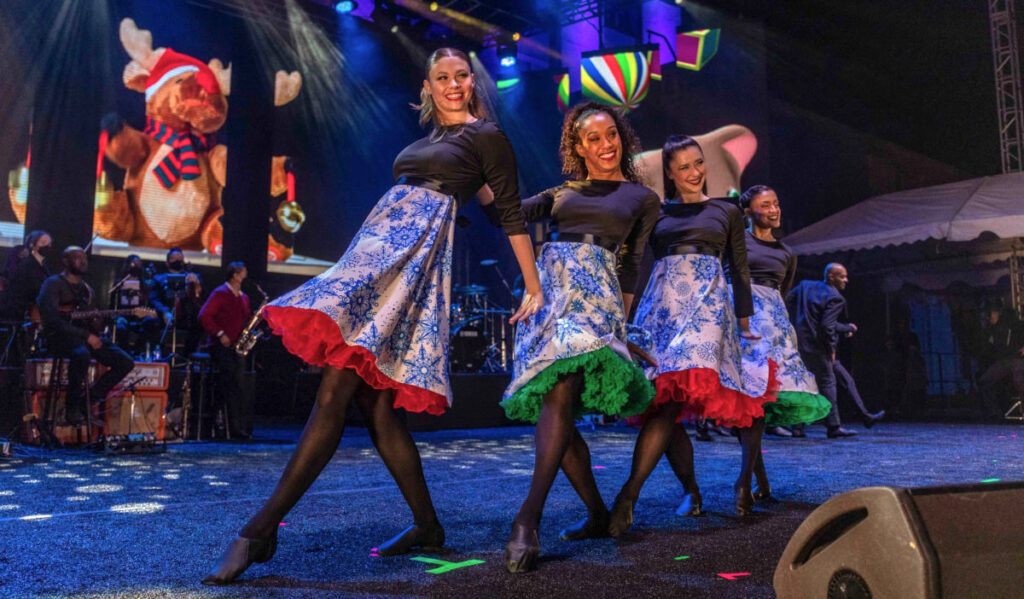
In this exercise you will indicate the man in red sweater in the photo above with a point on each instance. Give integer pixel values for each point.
(223, 316)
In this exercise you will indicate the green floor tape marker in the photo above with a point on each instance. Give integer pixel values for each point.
(445, 566)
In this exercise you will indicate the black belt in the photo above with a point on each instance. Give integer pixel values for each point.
(431, 184)
(584, 238)
(682, 248)
(765, 282)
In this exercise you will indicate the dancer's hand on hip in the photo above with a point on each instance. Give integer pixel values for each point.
(745, 332)
(532, 301)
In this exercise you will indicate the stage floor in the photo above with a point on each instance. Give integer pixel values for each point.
(88, 525)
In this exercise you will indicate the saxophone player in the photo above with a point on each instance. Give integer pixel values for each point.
(223, 317)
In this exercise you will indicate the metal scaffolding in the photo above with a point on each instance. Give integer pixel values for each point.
(1006, 59)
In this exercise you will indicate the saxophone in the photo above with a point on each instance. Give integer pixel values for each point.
(254, 330)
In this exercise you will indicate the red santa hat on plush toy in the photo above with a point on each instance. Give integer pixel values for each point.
(171, 64)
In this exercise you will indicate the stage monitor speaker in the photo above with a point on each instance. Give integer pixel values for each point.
(931, 542)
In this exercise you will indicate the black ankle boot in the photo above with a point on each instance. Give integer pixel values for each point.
(241, 554)
(593, 527)
(692, 505)
(428, 537)
(744, 501)
(522, 549)
(622, 516)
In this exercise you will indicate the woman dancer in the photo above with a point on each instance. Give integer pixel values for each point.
(571, 359)
(696, 336)
(377, 321)
(772, 273)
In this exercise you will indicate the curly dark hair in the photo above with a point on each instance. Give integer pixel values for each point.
(573, 164)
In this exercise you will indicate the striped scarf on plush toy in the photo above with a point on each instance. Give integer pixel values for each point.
(182, 162)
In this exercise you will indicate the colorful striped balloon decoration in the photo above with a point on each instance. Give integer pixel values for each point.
(616, 77)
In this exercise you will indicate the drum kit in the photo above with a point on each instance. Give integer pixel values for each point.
(481, 338)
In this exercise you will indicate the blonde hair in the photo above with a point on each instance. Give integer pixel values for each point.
(428, 113)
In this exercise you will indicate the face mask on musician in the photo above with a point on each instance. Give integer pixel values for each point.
(176, 265)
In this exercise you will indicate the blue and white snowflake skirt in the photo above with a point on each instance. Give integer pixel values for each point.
(688, 309)
(382, 310)
(798, 400)
(580, 327)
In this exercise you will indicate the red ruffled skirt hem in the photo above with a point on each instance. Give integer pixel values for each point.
(316, 338)
(703, 396)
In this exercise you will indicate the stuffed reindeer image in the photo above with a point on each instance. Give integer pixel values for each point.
(175, 173)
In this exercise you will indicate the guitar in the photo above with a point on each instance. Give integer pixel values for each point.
(71, 314)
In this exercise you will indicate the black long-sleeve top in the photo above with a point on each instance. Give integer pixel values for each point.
(772, 260)
(464, 159)
(1003, 339)
(716, 224)
(58, 292)
(815, 307)
(27, 280)
(617, 211)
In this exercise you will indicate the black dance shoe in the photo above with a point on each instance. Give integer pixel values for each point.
(763, 492)
(744, 501)
(593, 527)
(428, 537)
(241, 554)
(622, 516)
(838, 431)
(798, 432)
(871, 419)
(704, 435)
(692, 505)
(522, 549)
(778, 431)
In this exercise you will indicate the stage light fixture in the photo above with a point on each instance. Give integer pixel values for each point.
(345, 6)
(507, 54)
(394, 29)
(516, 36)
(433, 7)
(472, 53)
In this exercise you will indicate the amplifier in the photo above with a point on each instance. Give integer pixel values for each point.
(37, 373)
(143, 414)
(35, 402)
(148, 376)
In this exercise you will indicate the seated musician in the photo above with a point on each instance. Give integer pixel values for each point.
(176, 295)
(224, 316)
(62, 294)
(132, 291)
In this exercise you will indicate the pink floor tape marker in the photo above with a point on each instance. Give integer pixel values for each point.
(282, 524)
(733, 575)
(599, 468)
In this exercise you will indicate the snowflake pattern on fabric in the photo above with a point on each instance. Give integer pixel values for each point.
(389, 293)
(778, 340)
(698, 329)
(582, 310)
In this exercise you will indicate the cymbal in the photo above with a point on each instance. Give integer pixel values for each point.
(472, 289)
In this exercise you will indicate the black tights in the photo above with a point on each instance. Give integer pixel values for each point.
(750, 440)
(320, 439)
(659, 436)
(558, 444)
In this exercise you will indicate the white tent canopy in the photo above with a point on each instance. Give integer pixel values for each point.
(958, 211)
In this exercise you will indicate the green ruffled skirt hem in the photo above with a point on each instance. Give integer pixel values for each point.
(795, 407)
(611, 386)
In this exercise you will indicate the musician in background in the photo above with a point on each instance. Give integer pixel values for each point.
(66, 338)
(132, 291)
(177, 296)
(223, 317)
(31, 271)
